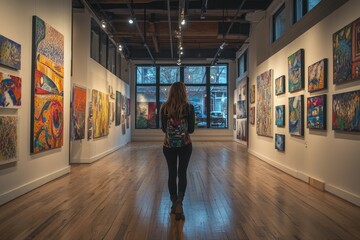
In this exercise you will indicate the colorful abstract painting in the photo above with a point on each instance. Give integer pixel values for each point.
(296, 115)
(118, 108)
(264, 104)
(296, 71)
(280, 85)
(252, 115)
(10, 91)
(346, 111)
(10, 53)
(317, 76)
(78, 113)
(280, 142)
(100, 109)
(8, 139)
(47, 87)
(90, 122)
(252, 94)
(316, 112)
(280, 115)
(346, 53)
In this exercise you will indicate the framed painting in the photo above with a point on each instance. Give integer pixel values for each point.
(10, 91)
(8, 139)
(118, 108)
(346, 111)
(252, 115)
(47, 110)
(317, 76)
(10, 53)
(252, 94)
(264, 104)
(280, 85)
(280, 142)
(90, 122)
(316, 112)
(296, 71)
(296, 115)
(346, 53)
(101, 107)
(241, 129)
(78, 112)
(280, 116)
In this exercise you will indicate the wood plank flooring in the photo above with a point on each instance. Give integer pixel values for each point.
(230, 195)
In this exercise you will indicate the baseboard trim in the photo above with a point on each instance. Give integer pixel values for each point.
(348, 196)
(97, 157)
(17, 192)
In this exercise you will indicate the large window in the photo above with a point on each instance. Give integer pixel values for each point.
(301, 7)
(207, 89)
(279, 23)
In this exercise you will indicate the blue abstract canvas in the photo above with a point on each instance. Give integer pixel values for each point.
(316, 112)
(10, 53)
(280, 142)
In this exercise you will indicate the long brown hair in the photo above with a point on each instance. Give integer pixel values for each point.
(177, 101)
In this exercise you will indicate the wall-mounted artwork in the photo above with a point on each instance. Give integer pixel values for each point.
(10, 91)
(78, 113)
(100, 109)
(264, 104)
(296, 115)
(128, 112)
(10, 53)
(242, 107)
(346, 53)
(90, 122)
(252, 94)
(252, 115)
(47, 111)
(316, 112)
(280, 142)
(280, 115)
(280, 85)
(118, 108)
(317, 76)
(346, 111)
(296, 71)
(8, 139)
(241, 129)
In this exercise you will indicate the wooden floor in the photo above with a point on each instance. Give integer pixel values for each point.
(230, 195)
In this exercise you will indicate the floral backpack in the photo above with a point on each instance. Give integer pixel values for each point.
(177, 132)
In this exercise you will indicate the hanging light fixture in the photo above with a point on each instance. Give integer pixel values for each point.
(103, 24)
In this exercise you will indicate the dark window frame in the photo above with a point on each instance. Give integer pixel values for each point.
(278, 12)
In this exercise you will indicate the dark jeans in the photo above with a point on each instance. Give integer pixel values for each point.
(171, 155)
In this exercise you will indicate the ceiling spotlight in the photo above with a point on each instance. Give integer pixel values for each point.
(103, 24)
(183, 22)
(120, 47)
(181, 48)
(222, 45)
(179, 62)
(181, 52)
(131, 21)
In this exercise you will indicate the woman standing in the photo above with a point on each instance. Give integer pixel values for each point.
(177, 122)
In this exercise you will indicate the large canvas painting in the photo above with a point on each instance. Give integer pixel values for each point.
(10, 53)
(242, 109)
(241, 129)
(296, 115)
(100, 109)
(280, 142)
(118, 108)
(10, 91)
(296, 71)
(252, 115)
(346, 111)
(346, 53)
(78, 113)
(316, 112)
(317, 76)
(8, 139)
(280, 85)
(264, 104)
(47, 109)
(280, 116)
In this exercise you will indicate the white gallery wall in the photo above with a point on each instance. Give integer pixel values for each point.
(33, 170)
(89, 74)
(328, 156)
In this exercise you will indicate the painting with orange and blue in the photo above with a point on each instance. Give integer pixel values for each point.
(316, 112)
(10, 91)
(296, 71)
(47, 120)
(10, 53)
(78, 113)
